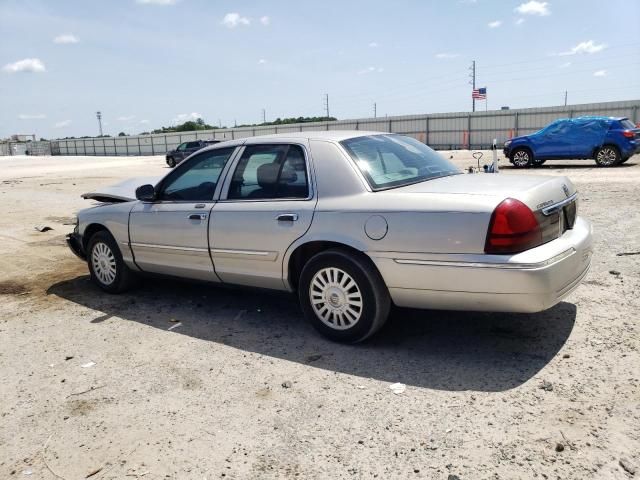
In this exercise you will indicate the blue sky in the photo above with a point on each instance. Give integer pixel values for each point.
(148, 63)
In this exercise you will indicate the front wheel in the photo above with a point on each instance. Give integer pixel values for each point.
(108, 270)
(343, 296)
(607, 156)
(171, 162)
(521, 158)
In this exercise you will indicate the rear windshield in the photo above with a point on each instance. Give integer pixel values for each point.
(389, 161)
(627, 123)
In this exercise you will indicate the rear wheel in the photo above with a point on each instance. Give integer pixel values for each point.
(343, 296)
(108, 270)
(607, 156)
(521, 158)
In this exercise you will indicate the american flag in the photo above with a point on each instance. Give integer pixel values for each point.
(479, 93)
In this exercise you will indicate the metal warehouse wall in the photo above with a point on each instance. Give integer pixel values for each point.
(444, 131)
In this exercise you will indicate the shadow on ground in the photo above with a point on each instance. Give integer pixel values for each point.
(451, 351)
(562, 164)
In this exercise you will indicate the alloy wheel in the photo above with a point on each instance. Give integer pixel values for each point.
(335, 298)
(521, 158)
(104, 263)
(607, 156)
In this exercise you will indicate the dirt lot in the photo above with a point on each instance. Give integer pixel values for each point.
(489, 396)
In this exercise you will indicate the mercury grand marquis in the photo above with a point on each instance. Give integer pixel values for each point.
(351, 221)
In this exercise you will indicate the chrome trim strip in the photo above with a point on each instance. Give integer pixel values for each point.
(557, 206)
(169, 247)
(239, 252)
(504, 266)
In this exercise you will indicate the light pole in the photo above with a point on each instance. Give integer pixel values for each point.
(99, 117)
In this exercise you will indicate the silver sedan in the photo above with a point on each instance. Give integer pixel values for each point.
(352, 221)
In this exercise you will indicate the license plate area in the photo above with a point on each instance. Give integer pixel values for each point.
(569, 216)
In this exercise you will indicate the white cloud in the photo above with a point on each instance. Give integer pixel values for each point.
(233, 19)
(494, 24)
(373, 45)
(447, 55)
(565, 65)
(62, 124)
(126, 118)
(156, 2)
(66, 38)
(371, 70)
(144, 121)
(519, 21)
(585, 47)
(185, 117)
(33, 65)
(32, 116)
(265, 20)
(534, 8)
(262, 61)
(600, 73)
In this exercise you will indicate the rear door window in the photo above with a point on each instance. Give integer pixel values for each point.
(270, 172)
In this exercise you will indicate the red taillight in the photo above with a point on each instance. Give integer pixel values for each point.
(513, 228)
(628, 134)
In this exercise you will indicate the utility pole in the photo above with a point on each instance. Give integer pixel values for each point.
(99, 117)
(565, 98)
(326, 104)
(264, 116)
(473, 83)
(375, 112)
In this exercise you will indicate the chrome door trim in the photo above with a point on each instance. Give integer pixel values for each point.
(551, 209)
(169, 247)
(252, 254)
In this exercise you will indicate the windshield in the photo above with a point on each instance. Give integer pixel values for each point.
(393, 160)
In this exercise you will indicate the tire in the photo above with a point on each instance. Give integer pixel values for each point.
(607, 156)
(108, 270)
(522, 158)
(171, 162)
(343, 296)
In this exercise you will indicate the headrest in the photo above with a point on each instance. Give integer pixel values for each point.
(268, 175)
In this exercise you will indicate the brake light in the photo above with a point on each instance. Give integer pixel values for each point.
(628, 134)
(513, 228)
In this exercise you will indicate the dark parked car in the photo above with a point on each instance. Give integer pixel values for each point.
(185, 149)
(608, 140)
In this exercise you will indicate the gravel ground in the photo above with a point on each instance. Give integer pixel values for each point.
(180, 380)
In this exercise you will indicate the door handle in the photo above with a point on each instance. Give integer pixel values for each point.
(287, 217)
(197, 216)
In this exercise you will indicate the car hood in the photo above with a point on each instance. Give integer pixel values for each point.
(533, 190)
(124, 191)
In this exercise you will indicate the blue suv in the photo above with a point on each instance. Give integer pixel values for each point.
(608, 140)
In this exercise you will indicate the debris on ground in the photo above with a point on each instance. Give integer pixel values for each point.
(398, 388)
(43, 228)
(559, 447)
(627, 467)
(88, 365)
(175, 325)
(626, 254)
(546, 386)
(286, 384)
(68, 357)
(91, 473)
(313, 358)
(614, 272)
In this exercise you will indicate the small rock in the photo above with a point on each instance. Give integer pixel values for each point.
(566, 355)
(453, 477)
(361, 442)
(614, 272)
(546, 386)
(286, 384)
(68, 357)
(559, 447)
(313, 358)
(627, 467)
(416, 470)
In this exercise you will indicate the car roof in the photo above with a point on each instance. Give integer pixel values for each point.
(329, 135)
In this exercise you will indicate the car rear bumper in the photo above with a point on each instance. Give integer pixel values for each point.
(530, 281)
(74, 241)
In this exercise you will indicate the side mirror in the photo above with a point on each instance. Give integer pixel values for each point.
(146, 193)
